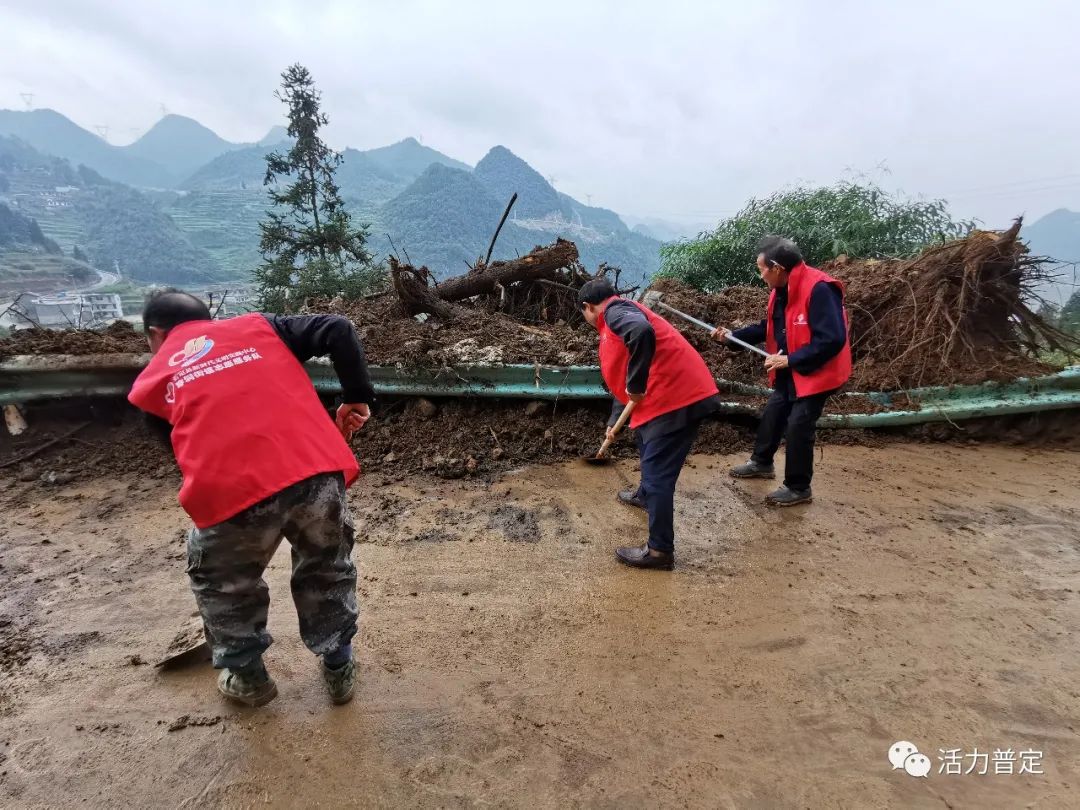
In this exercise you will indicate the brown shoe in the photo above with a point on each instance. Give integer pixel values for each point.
(645, 557)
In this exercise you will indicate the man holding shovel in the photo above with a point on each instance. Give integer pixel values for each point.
(260, 459)
(650, 368)
(805, 332)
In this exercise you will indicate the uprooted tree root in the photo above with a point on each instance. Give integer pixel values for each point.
(955, 314)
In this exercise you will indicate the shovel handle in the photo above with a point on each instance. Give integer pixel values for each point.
(711, 328)
(619, 423)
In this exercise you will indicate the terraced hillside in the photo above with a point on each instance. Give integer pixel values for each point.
(223, 223)
(22, 272)
(114, 225)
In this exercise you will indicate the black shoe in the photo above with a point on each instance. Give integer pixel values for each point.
(645, 557)
(631, 498)
(789, 497)
(752, 469)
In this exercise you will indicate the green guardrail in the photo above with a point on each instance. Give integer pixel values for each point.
(30, 378)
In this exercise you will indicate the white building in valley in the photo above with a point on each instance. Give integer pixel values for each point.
(80, 310)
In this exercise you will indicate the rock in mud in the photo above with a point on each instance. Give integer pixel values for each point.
(53, 478)
(535, 408)
(424, 408)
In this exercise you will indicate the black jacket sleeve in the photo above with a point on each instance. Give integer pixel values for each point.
(752, 334)
(310, 336)
(827, 330)
(632, 327)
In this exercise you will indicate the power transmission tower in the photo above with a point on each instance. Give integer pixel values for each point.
(551, 180)
(103, 131)
(28, 100)
(588, 199)
(164, 110)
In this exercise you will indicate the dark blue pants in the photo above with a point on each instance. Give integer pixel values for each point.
(662, 460)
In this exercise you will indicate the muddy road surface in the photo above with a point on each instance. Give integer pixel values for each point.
(930, 594)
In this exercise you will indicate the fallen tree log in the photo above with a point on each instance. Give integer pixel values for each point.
(411, 284)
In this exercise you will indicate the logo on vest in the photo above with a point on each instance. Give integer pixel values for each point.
(170, 393)
(800, 319)
(194, 350)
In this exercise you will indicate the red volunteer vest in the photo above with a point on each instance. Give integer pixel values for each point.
(835, 372)
(246, 419)
(678, 376)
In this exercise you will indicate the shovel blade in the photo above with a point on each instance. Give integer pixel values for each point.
(187, 647)
(596, 461)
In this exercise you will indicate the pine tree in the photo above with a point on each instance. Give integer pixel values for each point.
(308, 243)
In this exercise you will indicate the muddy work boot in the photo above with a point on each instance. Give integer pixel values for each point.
(340, 682)
(752, 469)
(632, 497)
(789, 497)
(645, 557)
(251, 686)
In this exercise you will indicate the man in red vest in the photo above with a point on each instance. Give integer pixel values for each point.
(644, 359)
(805, 332)
(260, 459)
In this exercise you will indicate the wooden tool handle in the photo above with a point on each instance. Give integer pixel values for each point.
(619, 423)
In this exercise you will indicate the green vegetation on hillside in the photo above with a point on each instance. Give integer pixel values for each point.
(179, 145)
(41, 273)
(503, 173)
(408, 159)
(22, 232)
(846, 218)
(112, 224)
(225, 224)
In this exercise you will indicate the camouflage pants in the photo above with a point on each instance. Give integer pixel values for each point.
(226, 564)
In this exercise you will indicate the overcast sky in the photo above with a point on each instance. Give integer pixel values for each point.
(679, 110)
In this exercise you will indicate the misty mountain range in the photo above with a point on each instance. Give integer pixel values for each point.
(420, 202)
(182, 205)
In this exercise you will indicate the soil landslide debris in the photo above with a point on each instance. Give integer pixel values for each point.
(956, 314)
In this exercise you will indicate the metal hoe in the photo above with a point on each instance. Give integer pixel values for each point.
(652, 299)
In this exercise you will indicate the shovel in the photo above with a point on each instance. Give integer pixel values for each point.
(652, 300)
(601, 456)
(188, 647)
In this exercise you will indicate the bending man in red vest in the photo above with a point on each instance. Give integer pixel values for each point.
(805, 332)
(645, 359)
(260, 458)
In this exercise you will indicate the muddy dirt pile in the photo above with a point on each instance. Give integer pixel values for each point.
(449, 438)
(117, 338)
(479, 336)
(455, 438)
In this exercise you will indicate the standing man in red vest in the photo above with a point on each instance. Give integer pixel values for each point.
(644, 359)
(260, 459)
(806, 334)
